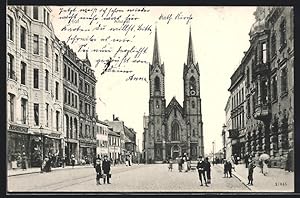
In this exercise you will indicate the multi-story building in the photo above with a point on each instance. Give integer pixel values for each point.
(102, 138)
(237, 131)
(227, 146)
(145, 132)
(174, 129)
(34, 85)
(71, 103)
(114, 142)
(87, 110)
(269, 84)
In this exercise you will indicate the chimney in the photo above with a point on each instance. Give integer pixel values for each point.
(113, 117)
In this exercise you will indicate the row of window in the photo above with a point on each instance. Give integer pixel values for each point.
(71, 127)
(87, 108)
(101, 130)
(35, 13)
(70, 75)
(86, 88)
(102, 143)
(238, 122)
(36, 111)
(87, 133)
(24, 38)
(237, 98)
(114, 141)
(70, 98)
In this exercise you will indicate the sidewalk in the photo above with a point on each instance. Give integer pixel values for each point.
(278, 180)
(38, 169)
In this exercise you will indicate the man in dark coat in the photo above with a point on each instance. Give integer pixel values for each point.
(201, 170)
(251, 167)
(98, 171)
(207, 170)
(106, 169)
(229, 168)
(247, 160)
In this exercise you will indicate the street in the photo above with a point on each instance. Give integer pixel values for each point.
(137, 178)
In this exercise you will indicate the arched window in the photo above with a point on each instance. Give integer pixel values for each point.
(175, 131)
(192, 83)
(194, 134)
(156, 84)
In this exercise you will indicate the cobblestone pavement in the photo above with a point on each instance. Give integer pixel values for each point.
(137, 178)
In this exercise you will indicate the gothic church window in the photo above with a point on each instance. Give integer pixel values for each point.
(175, 132)
(192, 83)
(157, 84)
(193, 104)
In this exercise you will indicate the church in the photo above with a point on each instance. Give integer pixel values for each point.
(174, 129)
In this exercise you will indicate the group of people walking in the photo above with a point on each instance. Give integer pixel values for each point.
(103, 169)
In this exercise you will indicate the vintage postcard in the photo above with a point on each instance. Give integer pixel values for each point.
(150, 98)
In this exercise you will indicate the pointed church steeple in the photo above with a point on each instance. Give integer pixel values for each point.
(86, 55)
(190, 56)
(156, 57)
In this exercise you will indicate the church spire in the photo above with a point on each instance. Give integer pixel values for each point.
(86, 55)
(156, 57)
(190, 56)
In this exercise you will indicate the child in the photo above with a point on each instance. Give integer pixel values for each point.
(98, 171)
(170, 165)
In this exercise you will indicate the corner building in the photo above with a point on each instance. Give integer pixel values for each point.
(34, 85)
(174, 129)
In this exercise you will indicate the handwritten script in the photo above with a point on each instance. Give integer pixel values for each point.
(115, 34)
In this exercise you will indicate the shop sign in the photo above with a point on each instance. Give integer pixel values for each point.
(18, 128)
(57, 135)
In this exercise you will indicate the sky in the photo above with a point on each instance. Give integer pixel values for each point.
(220, 38)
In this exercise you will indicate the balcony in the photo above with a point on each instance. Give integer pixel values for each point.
(261, 69)
(233, 133)
(262, 112)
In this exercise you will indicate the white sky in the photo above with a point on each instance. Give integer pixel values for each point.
(220, 36)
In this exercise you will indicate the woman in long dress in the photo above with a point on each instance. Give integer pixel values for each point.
(265, 167)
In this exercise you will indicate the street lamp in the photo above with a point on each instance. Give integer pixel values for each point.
(213, 143)
(224, 140)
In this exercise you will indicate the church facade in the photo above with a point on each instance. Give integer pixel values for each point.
(173, 129)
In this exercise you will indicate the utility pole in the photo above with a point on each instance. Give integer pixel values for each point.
(138, 152)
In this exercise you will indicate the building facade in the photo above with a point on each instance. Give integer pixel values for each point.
(34, 85)
(227, 145)
(102, 138)
(114, 142)
(237, 115)
(71, 103)
(269, 85)
(87, 110)
(174, 129)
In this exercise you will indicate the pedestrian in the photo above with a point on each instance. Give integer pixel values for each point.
(265, 167)
(24, 162)
(63, 161)
(126, 160)
(180, 164)
(289, 162)
(201, 171)
(207, 170)
(185, 168)
(246, 158)
(170, 167)
(98, 171)
(106, 169)
(229, 168)
(225, 168)
(251, 167)
(73, 160)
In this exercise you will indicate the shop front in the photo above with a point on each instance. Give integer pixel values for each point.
(87, 150)
(18, 145)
